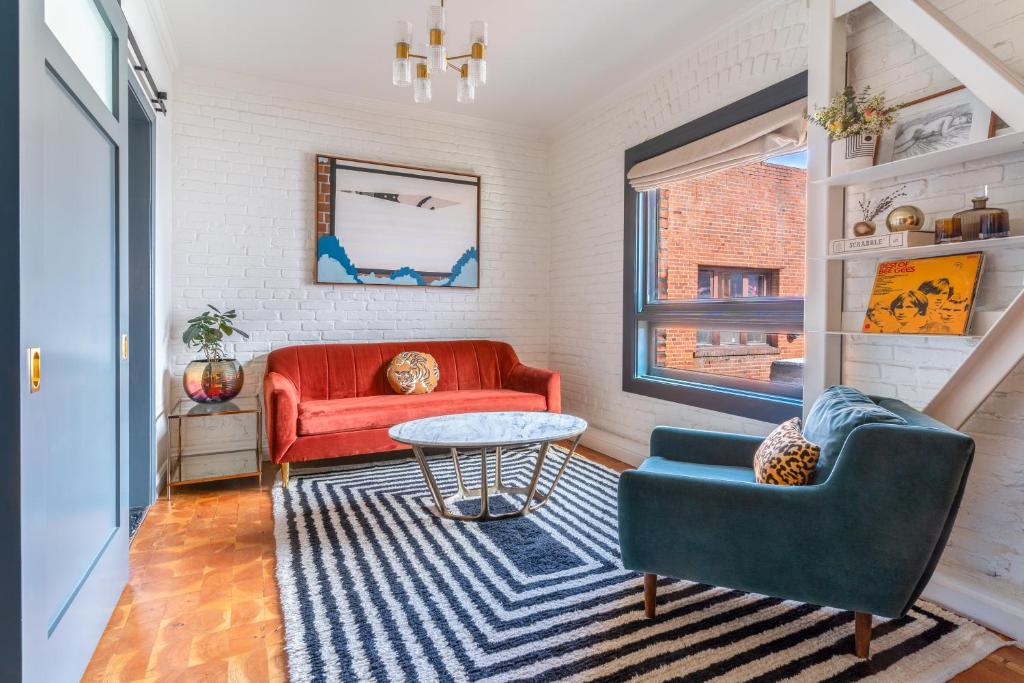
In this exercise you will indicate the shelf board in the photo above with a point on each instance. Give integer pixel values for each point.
(1001, 243)
(1004, 144)
(983, 322)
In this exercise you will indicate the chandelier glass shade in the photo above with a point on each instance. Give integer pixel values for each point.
(409, 68)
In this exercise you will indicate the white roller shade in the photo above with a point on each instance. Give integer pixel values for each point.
(776, 132)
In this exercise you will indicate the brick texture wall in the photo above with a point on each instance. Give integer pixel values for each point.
(759, 48)
(247, 191)
(752, 217)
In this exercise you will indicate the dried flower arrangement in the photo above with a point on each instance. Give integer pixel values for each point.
(870, 212)
(851, 113)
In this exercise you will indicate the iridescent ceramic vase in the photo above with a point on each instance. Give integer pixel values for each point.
(213, 381)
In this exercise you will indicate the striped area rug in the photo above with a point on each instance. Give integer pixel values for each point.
(375, 588)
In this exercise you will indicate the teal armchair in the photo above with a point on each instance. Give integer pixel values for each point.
(865, 537)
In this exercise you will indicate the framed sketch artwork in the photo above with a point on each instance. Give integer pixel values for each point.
(384, 224)
(940, 121)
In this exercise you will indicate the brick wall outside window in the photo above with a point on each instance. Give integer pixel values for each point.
(751, 217)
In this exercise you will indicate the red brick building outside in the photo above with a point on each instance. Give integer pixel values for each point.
(738, 232)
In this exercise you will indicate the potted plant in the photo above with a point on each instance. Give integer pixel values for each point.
(216, 378)
(854, 122)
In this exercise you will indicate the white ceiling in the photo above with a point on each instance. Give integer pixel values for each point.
(546, 58)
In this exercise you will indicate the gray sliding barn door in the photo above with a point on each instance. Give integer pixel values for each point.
(74, 132)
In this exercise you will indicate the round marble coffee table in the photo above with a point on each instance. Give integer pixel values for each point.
(481, 432)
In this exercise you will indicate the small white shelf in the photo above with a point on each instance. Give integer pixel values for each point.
(946, 249)
(1004, 144)
(983, 321)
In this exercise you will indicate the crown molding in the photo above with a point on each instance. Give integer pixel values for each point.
(162, 23)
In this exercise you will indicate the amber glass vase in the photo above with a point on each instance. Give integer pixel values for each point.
(983, 222)
(213, 381)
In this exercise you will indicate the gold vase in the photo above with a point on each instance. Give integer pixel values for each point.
(213, 381)
(905, 218)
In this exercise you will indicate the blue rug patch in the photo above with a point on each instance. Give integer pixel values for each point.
(530, 548)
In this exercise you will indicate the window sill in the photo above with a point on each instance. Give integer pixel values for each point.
(736, 350)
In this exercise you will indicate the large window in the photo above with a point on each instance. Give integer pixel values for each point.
(715, 265)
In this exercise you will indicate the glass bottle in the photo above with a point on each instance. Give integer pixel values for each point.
(983, 222)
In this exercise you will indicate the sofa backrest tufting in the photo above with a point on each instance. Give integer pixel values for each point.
(332, 371)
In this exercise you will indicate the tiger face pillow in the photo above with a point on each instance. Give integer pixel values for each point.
(412, 372)
(786, 458)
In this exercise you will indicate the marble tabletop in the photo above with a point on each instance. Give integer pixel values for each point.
(468, 430)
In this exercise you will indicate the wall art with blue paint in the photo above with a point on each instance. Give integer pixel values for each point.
(383, 224)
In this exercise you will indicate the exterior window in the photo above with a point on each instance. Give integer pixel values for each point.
(714, 312)
(734, 283)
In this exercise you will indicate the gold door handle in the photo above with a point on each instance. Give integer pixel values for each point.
(34, 369)
(124, 347)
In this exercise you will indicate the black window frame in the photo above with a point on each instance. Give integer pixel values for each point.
(643, 312)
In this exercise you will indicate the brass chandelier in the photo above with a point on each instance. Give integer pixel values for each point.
(472, 72)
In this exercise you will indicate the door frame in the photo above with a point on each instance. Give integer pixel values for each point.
(142, 489)
(10, 344)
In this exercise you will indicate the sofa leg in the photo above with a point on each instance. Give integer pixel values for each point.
(284, 474)
(862, 634)
(650, 593)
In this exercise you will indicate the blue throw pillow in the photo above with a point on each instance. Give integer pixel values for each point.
(837, 412)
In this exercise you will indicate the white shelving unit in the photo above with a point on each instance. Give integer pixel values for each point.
(946, 249)
(982, 322)
(999, 335)
(925, 163)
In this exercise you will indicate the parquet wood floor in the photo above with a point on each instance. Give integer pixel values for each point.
(201, 602)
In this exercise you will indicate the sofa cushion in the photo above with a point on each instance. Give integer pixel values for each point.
(786, 458)
(837, 412)
(374, 412)
(413, 372)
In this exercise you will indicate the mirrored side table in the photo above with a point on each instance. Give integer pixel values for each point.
(214, 465)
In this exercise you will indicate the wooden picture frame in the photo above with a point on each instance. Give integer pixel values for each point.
(935, 122)
(379, 223)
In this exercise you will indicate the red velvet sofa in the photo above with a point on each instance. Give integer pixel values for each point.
(329, 400)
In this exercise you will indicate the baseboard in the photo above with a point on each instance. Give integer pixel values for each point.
(966, 598)
(615, 446)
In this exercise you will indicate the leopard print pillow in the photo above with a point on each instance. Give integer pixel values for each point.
(786, 458)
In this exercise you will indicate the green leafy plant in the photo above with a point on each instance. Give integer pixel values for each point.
(207, 331)
(851, 113)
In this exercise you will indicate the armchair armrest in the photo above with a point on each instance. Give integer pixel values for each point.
(282, 406)
(704, 448)
(547, 383)
(734, 534)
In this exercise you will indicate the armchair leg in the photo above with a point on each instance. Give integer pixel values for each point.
(862, 634)
(284, 474)
(650, 593)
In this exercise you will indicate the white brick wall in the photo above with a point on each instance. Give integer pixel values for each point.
(243, 219)
(761, 48)
(987, 545)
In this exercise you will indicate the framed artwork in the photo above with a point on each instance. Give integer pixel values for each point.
(999, 127)
(940, 121)
(924, 296)
(385, 224)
